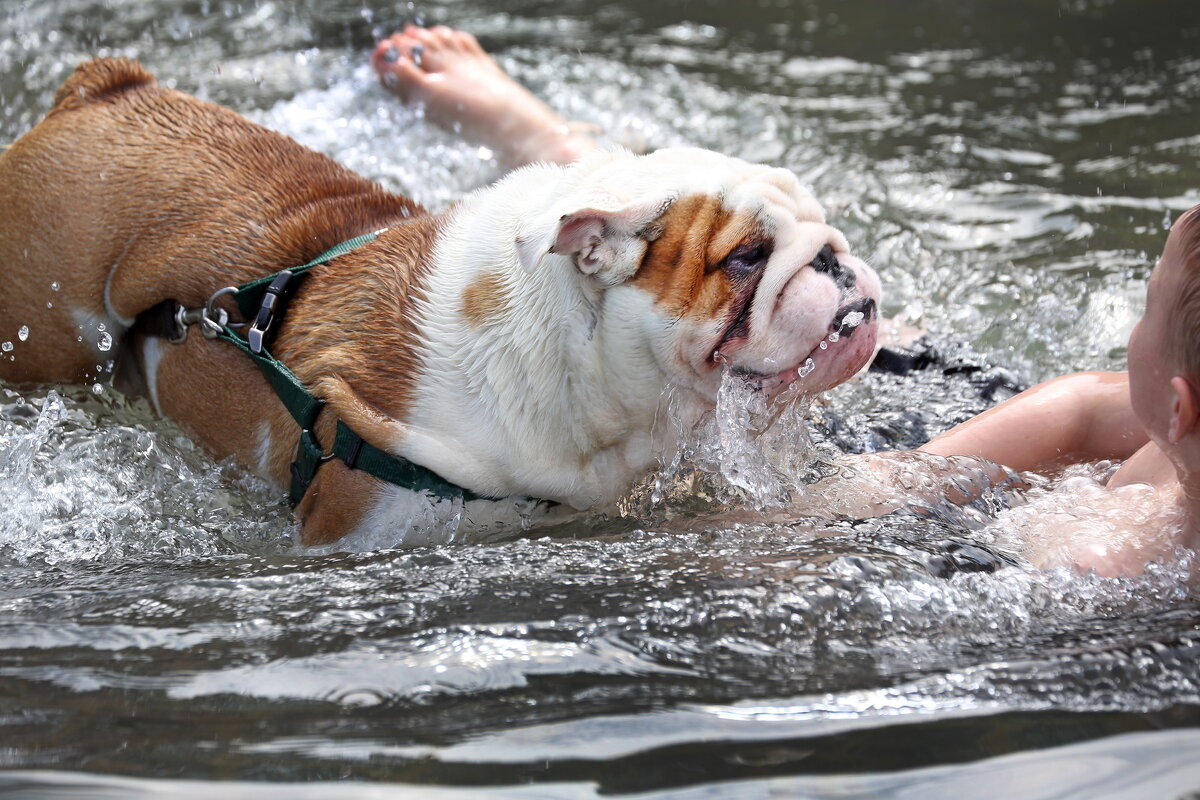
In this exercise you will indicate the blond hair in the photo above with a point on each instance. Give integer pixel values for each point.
(1184, 345)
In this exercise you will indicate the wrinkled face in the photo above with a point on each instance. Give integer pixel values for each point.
(748, 276)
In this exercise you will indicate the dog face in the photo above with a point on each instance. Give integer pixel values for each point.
(734, 260)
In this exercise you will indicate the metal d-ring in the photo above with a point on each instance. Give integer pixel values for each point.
(312, 432)
(324, 457)
(214, 320)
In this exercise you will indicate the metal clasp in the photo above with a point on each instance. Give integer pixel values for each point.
(211, 318)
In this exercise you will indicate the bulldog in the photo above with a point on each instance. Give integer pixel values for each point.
(516, 346)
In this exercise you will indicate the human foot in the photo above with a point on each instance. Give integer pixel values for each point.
(463, 89)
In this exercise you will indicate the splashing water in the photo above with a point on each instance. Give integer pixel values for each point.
(853, 319)
(745, 450)
(1079, 523)
(81, 486)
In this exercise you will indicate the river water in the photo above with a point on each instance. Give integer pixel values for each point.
(1009, 169)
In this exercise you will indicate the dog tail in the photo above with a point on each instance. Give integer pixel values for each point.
(100, 79)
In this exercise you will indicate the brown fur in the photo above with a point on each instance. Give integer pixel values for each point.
(680, 268)
(148, 194)
(484, 299)
(100, 79)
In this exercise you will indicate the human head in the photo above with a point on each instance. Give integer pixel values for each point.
(1164, 348)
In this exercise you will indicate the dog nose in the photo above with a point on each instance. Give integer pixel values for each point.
(827, 262)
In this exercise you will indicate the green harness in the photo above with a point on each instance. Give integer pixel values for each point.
(262, 301)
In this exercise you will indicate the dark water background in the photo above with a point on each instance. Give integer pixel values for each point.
(1010, 169)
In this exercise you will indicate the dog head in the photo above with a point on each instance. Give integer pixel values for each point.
(717, 263)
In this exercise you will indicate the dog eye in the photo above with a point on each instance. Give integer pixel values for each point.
(745, 259)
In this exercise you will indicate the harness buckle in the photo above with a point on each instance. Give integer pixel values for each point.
(257, 334)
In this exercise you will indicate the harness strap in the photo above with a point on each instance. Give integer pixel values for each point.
(249, 296)
(263, 300)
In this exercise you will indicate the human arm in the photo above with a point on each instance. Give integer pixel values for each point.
(1076, 418)
(1082, 417)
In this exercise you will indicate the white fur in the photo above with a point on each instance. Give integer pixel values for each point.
(263, 451)
(152, 353)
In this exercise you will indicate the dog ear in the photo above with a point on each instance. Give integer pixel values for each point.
(605, 244)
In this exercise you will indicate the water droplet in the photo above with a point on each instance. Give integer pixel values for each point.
(105, 341)
(825, 345)
(49, 304)
(97, 388)
(835, 336)
(808, 367)
(55, 286)
(100, 327)
(23, 333)
(1167, 220)
(6, 347)
(853, 319)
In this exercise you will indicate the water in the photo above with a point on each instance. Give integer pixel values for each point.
(1009, 169)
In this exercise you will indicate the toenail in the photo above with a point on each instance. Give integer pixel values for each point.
(417, 51)
(391, 54)
(390, 79)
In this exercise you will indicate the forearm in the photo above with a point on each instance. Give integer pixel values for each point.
(1081, 417)
(873, 484)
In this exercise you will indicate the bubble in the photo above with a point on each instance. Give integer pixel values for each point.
(105, 341)
(23, 333)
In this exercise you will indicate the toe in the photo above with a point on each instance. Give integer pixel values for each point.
(422, 35)
(467, 43)
(405, 79)
(444, 36)
(386, 53)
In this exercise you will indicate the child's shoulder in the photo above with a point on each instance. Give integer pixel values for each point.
(1149, 465)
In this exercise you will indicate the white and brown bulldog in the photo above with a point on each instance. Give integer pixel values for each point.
(517, 345)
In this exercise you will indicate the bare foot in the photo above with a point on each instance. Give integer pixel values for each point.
(463, 89)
